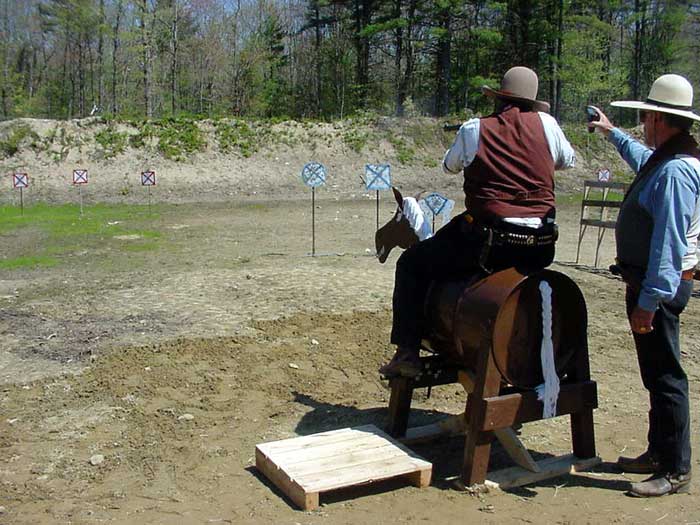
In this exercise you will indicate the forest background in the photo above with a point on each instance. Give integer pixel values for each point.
(329, 59)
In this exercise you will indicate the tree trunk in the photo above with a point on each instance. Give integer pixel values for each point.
(317, 45)
(557, 62)
(363, 16)
(5, 42)
(173, 62)
(639, 29)
(100, 56)
(115, 53)
(442, 70)
(146, 57)
(398, 44)
(81, 78)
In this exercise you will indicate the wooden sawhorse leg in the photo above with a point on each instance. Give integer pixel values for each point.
(477, 446)
(399, 405)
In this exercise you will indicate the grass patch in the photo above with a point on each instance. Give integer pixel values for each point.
(404, 153)
(18, 133)
(239, 136)
(111, 141)
(136, 247)
(177, 138)
(63, 231)
(355, 139)
(27, 262)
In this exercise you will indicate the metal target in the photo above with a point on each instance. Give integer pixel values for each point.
(313, 174)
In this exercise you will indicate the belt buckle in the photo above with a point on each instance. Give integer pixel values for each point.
(530, 241)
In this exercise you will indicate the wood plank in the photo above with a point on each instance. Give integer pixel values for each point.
(599, 223)
(506, 410)
(304, 499)
(515, 449)
(325, 450)
(549, 468)
(601, 184)
(421, 479)
(312, 440)
(341, 461)
(452, 425)
(375, 471)
(602, 203)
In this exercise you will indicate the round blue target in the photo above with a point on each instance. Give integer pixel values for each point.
(313, 174)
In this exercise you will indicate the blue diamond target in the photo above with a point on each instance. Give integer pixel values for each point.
(313, 174)
(378, 176)
(436, 203)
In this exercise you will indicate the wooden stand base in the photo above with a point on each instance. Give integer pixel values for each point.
(491, 412)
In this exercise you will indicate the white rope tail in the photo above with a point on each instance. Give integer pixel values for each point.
(547, 392)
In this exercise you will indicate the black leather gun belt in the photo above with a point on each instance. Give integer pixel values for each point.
(525, 239)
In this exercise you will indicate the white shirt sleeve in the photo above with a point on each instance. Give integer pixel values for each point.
(562, 152)
(464, 149)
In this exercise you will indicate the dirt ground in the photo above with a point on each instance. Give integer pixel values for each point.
(238, 330)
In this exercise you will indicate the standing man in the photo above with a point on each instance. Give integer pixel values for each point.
(508, 160)
(656, 236)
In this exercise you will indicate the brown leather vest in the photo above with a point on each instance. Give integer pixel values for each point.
(512, 174)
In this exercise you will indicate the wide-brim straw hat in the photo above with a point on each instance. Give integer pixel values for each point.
(668, 94)
(519, 84)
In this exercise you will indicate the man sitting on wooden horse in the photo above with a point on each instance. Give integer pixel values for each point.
(508, 159)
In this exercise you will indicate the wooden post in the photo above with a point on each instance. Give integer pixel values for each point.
(477, 446)
(399, 406)
(582, 426)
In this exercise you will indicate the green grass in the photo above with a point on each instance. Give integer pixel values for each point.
(111, 141)
(11, 143)
(61, 231)
(27, 262)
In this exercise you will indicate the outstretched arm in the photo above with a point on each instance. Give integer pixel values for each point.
(632, 151)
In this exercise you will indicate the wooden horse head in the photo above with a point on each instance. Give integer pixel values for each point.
(397, 232)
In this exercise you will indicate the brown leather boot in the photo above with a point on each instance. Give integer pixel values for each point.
(406, 363)
(661, 485)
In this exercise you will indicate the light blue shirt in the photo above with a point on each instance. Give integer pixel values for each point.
(670, 196)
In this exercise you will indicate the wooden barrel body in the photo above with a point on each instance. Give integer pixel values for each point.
(502, 314)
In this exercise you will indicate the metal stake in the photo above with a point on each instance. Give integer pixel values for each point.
(21, 202)
(377, 209)
(313, 221)
(80, 193)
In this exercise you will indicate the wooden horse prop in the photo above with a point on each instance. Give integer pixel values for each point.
(407, 227)
(518, 344)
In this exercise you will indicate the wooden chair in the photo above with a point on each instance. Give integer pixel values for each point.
(603, 221)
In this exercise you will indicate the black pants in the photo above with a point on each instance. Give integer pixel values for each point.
(452, 254)
(659, 353)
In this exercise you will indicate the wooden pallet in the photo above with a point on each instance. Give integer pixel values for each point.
(303, 467)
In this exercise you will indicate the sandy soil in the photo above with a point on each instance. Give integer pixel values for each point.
(106, 359)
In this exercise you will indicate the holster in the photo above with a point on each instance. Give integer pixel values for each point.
(505, 234)
(632, 275)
